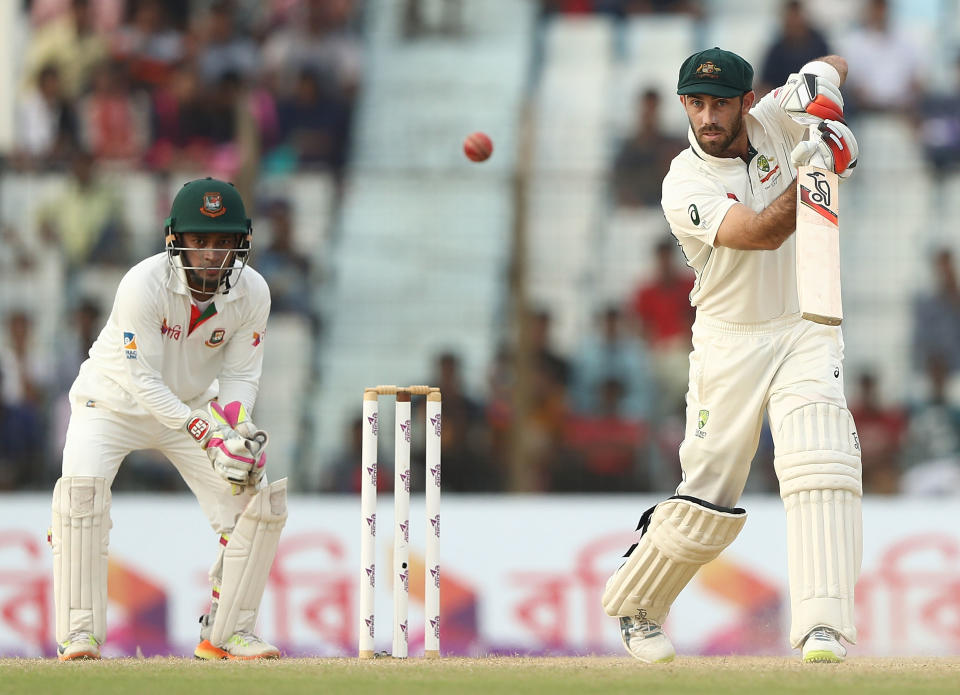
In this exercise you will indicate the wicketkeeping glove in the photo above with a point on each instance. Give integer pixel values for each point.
(810, 98)
(831, 146)
(232, 443)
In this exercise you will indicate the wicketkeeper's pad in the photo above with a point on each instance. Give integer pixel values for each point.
(679, 536)
(246, 561)
(79, 536)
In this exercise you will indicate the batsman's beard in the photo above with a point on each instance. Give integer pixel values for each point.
(719, 146)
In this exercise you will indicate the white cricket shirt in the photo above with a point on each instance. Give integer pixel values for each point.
(161, 355)
(733, 285)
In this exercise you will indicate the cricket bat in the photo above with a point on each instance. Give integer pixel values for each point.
(818, 246)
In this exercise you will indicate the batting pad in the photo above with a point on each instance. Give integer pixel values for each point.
(818, 464)
(247, 559)
(79, 536)
(681, 535)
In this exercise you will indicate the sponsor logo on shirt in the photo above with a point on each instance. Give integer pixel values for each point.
(172, 332)
(258, 338)
(130, 345)
(215, 338)
(694, 215)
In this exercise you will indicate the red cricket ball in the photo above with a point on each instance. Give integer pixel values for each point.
(477, 147)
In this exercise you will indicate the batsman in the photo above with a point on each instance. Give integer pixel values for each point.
(731, 202)
(176, 369)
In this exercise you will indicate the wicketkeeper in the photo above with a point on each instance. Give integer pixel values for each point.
(730, 199)
(177, 369)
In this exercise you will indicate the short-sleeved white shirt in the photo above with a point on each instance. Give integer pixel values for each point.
(734, 285)
(158, 356)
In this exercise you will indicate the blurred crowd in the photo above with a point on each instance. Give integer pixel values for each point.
(241, 89)
(161, 84)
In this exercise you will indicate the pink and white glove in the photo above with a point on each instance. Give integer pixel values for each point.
(809, 98)
(232, 443)
(831, 146)
(255, 439)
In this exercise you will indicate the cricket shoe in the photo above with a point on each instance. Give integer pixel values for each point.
(79, 645)
(822, 645)
(242, 646)
(645, 640)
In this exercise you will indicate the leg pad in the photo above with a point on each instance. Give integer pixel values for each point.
(679, 536)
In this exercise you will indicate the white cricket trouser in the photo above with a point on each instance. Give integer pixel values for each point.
(98, 440)
(736, 372)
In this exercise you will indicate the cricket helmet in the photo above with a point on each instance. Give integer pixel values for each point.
(208, 206)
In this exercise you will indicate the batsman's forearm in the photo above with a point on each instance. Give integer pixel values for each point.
(775, 223)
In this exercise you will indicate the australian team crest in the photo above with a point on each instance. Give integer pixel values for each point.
(212, 205)
(707, 68)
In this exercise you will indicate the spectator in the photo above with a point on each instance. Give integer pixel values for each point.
(85, 326)
(199, 127)
(662, 308)
(344, 474)
(319, 39)
(936, 317)
(528, 442)
(881, 432)
(797, 44)
(83, 222)
(46, 122)
(26, 369)
(149, 45)
(931, 462)
(21, 454)
(223, 50)
(114, 122)
(183, 122)
(939, 127)
(71, 44)
(464, 441)
(437, 19)
(554, 367)
(603, 450)
(612, 352)
(643, 159)
(285, 269)
(884, 65)
(313, 125)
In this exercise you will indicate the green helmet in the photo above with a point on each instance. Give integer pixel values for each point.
(208, 206)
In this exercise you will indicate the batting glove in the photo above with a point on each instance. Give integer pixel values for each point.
(832, 146)
(810, 99)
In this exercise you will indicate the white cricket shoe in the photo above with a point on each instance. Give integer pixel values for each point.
(79, 645)
(822, 645)
(242, 646)
(645, 640)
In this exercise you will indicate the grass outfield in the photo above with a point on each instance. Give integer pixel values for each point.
(734, 675)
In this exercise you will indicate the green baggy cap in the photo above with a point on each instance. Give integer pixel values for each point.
(716, 72)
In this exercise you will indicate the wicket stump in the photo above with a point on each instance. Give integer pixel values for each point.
(401, 496)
